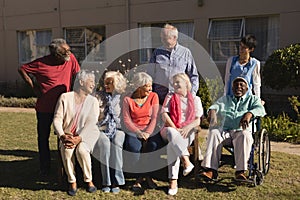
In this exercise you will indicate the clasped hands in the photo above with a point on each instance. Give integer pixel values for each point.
(143, 135)
(70, 141)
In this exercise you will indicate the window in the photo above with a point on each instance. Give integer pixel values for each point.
(33, 44)
(151, 37)
(85, 43)
(225, 34)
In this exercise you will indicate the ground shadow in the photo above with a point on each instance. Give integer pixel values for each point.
(20, 169)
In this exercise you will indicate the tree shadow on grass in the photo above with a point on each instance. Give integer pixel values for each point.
(20, 169)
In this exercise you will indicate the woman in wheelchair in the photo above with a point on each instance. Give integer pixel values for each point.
(235, 112)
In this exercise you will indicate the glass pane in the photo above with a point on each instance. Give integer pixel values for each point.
(43, 39)
(75, 36)
(222, 50)
(266, 31)
(33, 44)
(225, 29)
(94, 36)
(79, 52)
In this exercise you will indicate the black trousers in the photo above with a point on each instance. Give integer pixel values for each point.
(44, 121)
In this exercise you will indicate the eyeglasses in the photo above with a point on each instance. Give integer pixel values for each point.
(66, 52)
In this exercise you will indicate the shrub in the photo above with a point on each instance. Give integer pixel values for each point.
(295, 105)
(282, 127)
(209, 91)
(17, 102)
(281, 69)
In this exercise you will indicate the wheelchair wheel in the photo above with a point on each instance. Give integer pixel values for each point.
(257, 178)
(264, 152)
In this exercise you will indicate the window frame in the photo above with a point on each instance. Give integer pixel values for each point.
(244, 31)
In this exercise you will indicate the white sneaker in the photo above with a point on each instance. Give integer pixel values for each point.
(187, 170)
(173, 191)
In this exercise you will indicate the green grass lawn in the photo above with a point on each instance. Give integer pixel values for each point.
(19, 174)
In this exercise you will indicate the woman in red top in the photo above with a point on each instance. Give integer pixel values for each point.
(140, 115)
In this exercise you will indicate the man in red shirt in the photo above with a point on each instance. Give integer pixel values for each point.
(49, 77)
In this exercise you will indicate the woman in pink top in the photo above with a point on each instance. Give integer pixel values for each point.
(140, 112)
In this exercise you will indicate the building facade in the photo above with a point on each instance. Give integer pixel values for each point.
(27, 27)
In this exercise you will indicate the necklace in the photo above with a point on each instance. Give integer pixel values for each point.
(140, 101)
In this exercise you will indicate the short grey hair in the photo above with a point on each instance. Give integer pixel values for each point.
(171, 30)
(119, 82)
(55, 44)
(83, 75)
(140, 79)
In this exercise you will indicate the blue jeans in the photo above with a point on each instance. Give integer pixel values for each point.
(109, 153)
(44, 121)
(137, 146)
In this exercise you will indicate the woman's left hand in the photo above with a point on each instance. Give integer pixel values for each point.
(184, 131)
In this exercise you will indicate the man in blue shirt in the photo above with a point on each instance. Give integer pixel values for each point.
(233, 127)
(170, 59)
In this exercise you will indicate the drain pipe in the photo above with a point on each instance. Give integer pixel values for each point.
(128, 57)
(128, 14)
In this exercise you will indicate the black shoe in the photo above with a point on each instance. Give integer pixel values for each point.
(91, 189)
(44, 175)
(72, 191)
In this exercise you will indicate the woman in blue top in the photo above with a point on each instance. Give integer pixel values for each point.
(243, 65)
(110, 143)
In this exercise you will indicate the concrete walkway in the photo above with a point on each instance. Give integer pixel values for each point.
(275, 146)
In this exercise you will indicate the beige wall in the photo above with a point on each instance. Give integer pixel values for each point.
(118, 15)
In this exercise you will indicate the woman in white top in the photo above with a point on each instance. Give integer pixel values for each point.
(181, 113)
(75, 119)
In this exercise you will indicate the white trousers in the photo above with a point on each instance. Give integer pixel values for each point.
(177, 147)
(242, 142)
(84, 158)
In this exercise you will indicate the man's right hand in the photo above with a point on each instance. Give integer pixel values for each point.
(212, 118)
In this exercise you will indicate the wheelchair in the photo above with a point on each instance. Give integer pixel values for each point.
(259, 160)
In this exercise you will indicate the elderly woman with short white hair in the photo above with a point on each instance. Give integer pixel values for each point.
(75, 119)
